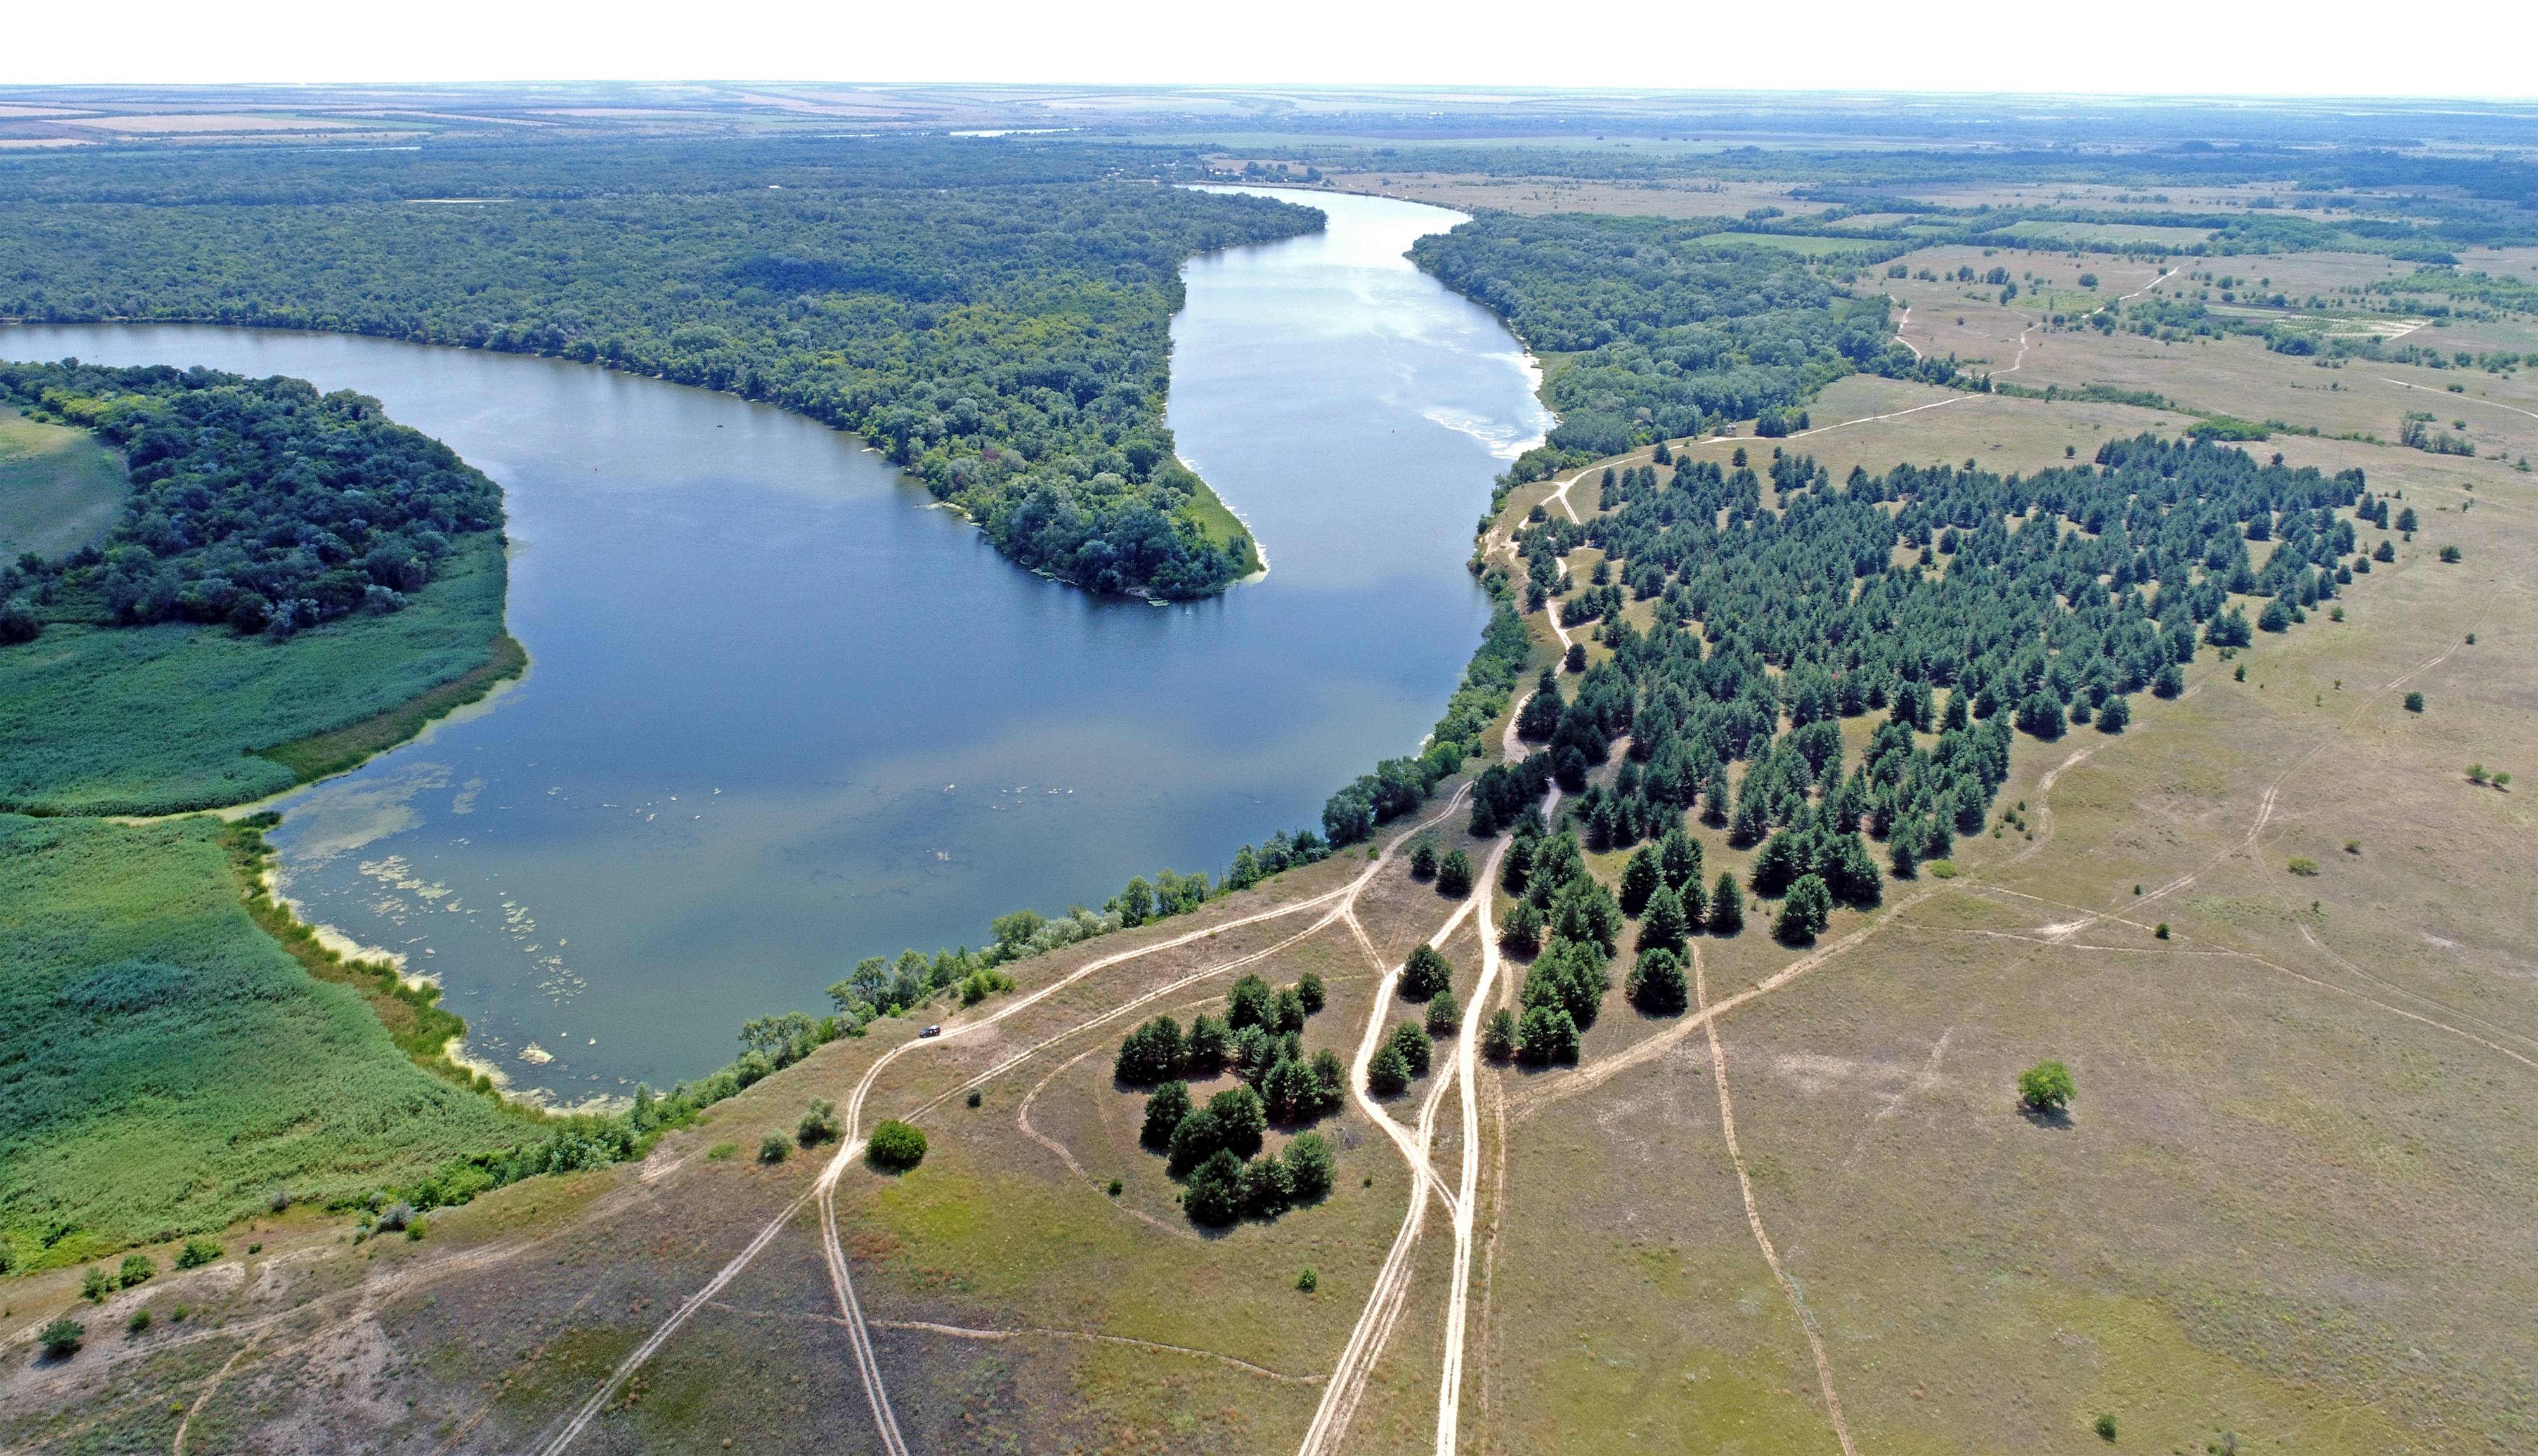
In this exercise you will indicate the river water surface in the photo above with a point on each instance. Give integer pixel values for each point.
(781, 716)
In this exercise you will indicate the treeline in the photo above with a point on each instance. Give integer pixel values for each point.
(1676, 327)
(255, 502)
(1215, 1145)
(1005, 338)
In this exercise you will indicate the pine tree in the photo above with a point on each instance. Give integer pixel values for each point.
(1642, 878)
(1656, 985)
(1425, 974)
(1387, 1075)
(1522, 933)
(1547, 1035)
(1454, 874)
(1444, 1015)
(1802, 914)
(1498, 1038)
(1164, 1111)
(1409, 1040)
(1726, 906)
(1679, 859)
(1665, 926)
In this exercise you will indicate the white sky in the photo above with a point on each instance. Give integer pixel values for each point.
(2304, 47)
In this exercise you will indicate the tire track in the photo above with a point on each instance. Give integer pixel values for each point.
(1754, 1215)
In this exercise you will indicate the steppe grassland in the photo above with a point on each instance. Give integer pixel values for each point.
(59, 489)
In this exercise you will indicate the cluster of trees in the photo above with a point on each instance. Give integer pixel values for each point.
(996, 320)
(1676, 326)
(1795, 614)
(255, 502)
(1427, 976)
(1216, 1146)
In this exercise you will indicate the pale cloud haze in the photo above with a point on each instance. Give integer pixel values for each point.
(2228, 47)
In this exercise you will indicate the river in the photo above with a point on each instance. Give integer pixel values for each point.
(781, 716)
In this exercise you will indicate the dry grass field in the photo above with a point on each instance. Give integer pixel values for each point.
(2287, 1210)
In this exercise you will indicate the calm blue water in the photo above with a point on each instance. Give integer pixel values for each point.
(781, 717)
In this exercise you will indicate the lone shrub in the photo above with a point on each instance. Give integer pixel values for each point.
(95, 1283)
(2302, 865)
(1498, 1038)
(773, 1148)
(897, 1146)
(1308, 1281)
(138, 1324)
(1422, 858)
(136, 1269)
(62, 1337)
(197, 1253)
(721, 1151)
(2414, 702)
(2161, 931)
(2045, 1086)
(2107, 1427)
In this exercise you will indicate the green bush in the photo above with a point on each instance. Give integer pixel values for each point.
(139, 1268)
(773, 1148)
(896, 1146)
(62, 1337)
(818, 1123)
(2045, 1086)
(198, 1252)
(95, 1283)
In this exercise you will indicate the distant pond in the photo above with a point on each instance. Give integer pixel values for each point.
(781, 715)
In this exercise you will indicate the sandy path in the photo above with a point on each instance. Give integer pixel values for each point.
(1754, 1215)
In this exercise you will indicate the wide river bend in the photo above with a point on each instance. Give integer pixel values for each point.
(781, 716)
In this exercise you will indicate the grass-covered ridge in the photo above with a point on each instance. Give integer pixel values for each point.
(165, 1066)
(171, 717)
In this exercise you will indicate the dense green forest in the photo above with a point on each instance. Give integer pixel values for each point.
(1675, 326)
(256, 503)
(995, 318)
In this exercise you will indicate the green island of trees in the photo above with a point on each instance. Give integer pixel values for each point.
(993, 318)
(307, 578)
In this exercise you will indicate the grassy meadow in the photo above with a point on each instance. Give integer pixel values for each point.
(175, 717)
(167, 1066)
(59, 489)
